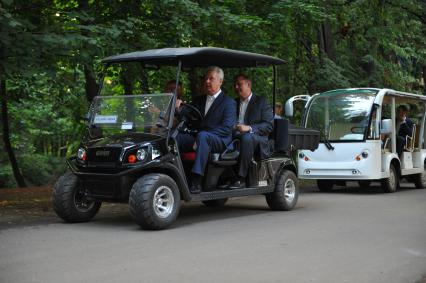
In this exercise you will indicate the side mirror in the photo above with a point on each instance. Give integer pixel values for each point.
(288, 108)
(289, 104)
(386, 126)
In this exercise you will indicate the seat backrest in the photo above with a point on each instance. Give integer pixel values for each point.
(280, 135)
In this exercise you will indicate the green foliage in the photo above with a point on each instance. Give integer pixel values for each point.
(48, 48)
(37, 169)
(6, 177)
(41, 169)
(329, 76)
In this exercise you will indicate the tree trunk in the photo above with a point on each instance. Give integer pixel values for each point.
(325, 41)
(144, 81)
(90, 85)
(328, 41)
(6, 136)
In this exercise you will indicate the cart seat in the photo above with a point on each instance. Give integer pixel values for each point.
(188, 156)
(226, 158)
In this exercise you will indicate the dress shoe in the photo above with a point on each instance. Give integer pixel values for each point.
(224, 186)
(238, 185)
(195, 189)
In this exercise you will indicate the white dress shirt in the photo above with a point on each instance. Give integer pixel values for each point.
(209, 101)
(243, 109)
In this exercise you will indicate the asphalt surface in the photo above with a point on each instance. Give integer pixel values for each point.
(350, 235)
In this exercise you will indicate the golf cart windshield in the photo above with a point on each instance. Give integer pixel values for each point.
(146, 113)
(341, 114)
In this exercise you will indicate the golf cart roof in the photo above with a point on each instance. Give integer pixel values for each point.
(197, 57)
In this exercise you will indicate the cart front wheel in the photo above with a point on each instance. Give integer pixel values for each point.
(154, 201)
(71, 202)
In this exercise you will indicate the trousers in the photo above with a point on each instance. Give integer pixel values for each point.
(206, 143)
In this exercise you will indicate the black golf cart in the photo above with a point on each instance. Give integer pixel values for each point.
(130, 153)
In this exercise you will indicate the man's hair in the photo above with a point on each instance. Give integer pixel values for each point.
(402, 107)
(278, 104)
(216, 69)
(244, 77)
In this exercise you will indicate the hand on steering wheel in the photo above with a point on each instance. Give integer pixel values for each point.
(190, 115)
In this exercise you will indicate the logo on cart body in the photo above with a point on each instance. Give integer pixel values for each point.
(103, 153)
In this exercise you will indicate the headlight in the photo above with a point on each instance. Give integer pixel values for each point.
(141, 154)
(81, 154)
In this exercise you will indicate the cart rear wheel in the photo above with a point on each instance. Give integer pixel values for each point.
(286, 192)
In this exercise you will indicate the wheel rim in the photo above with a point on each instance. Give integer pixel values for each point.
(80, 200)
(289, 190)
(163, 201)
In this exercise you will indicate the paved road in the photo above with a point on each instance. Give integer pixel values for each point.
(350, 235)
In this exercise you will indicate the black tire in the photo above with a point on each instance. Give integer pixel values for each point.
(215, 202)
(69, 201)
(154, 201)
(365, 184)
(391, 184)
(419, 180)
(325, 185)
(286, 192)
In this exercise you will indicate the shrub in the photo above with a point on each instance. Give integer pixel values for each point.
(41, 169)
(6, 177)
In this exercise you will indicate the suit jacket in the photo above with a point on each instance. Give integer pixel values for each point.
(220, 119)
(406, 128)
(260, 118)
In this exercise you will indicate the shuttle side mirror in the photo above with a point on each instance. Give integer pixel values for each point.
(289, 109)
(386, 126)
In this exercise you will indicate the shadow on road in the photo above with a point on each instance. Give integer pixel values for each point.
(190, 213)
(374, 189)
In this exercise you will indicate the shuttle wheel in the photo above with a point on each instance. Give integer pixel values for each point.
(419, 180)
(391, 184)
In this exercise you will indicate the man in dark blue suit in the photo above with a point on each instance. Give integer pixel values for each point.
(215, 133)
(255, 119)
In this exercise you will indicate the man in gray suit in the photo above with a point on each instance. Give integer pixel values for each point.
(254, 123)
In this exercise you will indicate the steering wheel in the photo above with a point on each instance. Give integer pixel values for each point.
(190, 115)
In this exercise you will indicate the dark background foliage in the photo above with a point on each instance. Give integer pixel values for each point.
(50, 53)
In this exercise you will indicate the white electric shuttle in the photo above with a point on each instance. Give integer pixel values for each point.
(359, 129)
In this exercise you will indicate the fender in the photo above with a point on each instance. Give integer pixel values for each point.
(285, 163)
(387, 158)
(288, 164)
